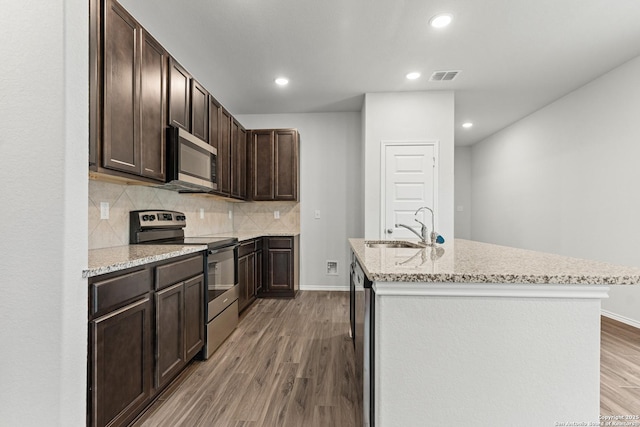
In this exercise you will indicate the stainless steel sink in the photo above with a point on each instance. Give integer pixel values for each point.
(393, 244)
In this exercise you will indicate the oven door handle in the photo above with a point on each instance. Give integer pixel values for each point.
(223, 249)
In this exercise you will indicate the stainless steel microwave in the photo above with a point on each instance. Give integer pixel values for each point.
(191, 163)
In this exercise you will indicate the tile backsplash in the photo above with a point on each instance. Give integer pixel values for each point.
(246, 216)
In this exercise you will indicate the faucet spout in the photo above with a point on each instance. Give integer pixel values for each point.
(422, 238)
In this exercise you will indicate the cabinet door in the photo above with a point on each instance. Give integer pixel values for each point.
(242, 163)
(199, 111)
(121, 364)
(194, 315)
(224, 153)
(179, 95)
(120, 144)
(153, 121)
(280, 268)
(170, 348)
(262, 165)
(251, 277)
(238, 161)
(286, 164)
(243, 282)
(258, 275)
(214, 123)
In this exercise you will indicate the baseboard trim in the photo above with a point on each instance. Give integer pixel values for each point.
(342, 288)
(621, 319)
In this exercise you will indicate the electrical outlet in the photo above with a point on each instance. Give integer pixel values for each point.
(316, 215)
(104, 210)
(276, 214)
(201, 213)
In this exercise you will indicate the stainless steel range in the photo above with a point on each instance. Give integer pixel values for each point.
(221, 278)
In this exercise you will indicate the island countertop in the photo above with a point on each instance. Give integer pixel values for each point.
(466, 261)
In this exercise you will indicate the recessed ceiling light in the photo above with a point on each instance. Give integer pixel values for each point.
(467, 125)
(414, 75)
(282, 81)
(441, 20)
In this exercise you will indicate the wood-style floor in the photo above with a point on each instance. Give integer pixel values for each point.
(619, 369)
(291, 363)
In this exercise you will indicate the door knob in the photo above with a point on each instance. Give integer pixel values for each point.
(389, 230)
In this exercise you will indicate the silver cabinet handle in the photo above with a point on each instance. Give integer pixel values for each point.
(389, 230)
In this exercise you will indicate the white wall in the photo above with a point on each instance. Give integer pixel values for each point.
(44, 128)
(330, 181)
(408, 116)
(463, 192)
(566, 180)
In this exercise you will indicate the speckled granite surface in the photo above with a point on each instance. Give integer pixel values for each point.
(465, 261)
(106, 260)
(248, 235)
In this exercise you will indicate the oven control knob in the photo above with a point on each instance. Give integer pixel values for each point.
(145, 217)
(152, 217)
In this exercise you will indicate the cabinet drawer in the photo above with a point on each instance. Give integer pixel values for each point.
(280, 243)
(246, 248)
(174, 272)
(114, 292)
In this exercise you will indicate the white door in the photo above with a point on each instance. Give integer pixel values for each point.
(409, 174)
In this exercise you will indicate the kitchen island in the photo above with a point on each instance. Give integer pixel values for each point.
(476, 334)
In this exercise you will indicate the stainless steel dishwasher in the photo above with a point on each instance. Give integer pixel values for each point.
(362, 308)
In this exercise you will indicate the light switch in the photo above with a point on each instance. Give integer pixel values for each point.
(230, 214)
(276, 214)
(104, 210)
(201, 213)
(459, 208)
(316, 215)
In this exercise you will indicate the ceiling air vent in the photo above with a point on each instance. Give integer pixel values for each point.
(443, 76)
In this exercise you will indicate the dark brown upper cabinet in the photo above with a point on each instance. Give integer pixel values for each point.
(214, 122)
(133, 117)
(199, 111)
(238, 160)
(224, 152)
(273, 155)
(121, 146)
(153, 108)
(179, 95)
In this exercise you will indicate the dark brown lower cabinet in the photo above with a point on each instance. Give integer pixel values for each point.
(259, 277)
(125, 373)
(122, 363)
(194, 316)
(247, 272)
(281, 272)
(170, 356)
(179, 327)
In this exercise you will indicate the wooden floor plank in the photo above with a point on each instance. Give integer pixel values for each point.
(291, 363)
(619, 368)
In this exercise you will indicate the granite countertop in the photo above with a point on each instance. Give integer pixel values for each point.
(465, 261)
(107, 260)
(117, 258)
(248, 235)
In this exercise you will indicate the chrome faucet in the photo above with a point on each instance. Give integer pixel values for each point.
(433, 236)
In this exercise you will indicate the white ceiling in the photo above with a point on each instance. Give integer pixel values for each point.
(516, 56)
